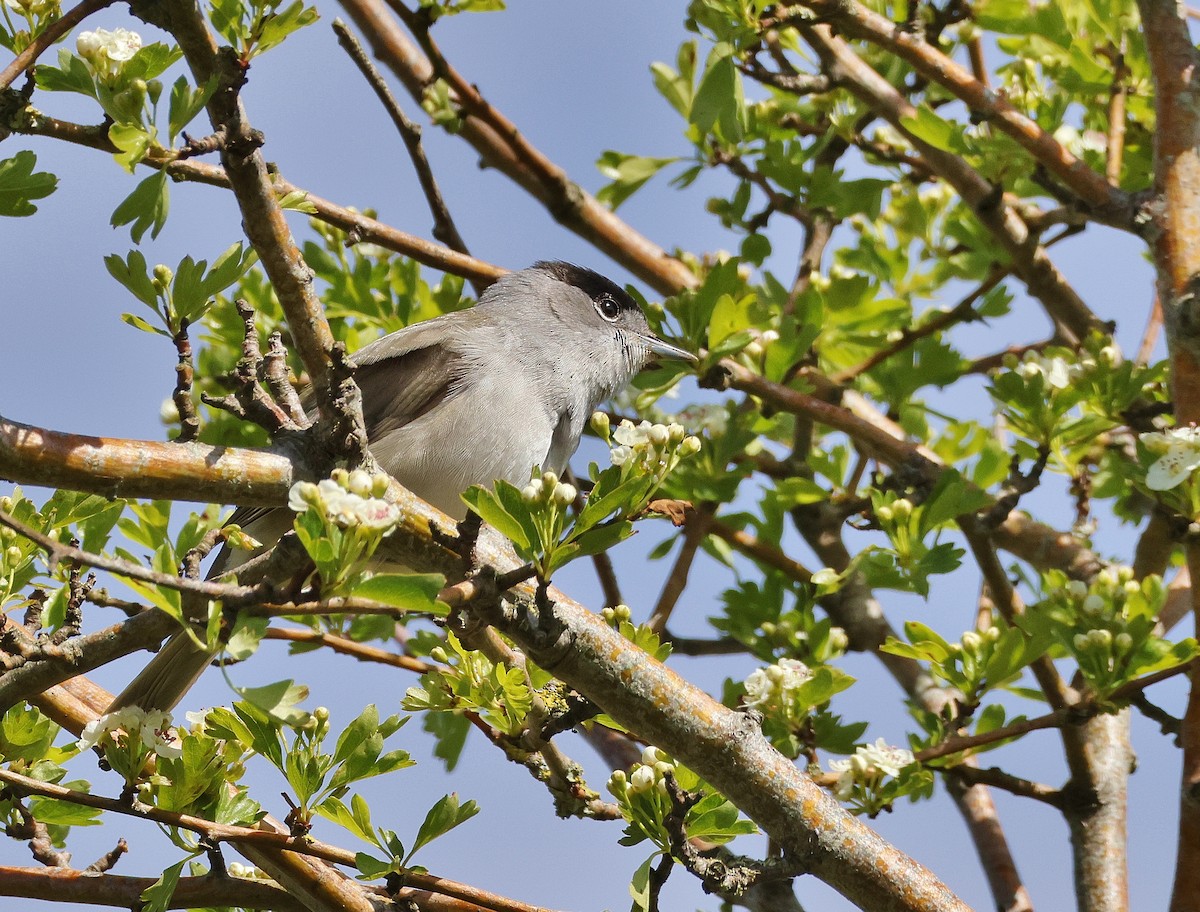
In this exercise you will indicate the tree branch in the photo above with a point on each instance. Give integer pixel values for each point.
(47, 37)
(1072, 317)
(502, 146)
(855, 20)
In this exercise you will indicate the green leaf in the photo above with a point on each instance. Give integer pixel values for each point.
(371, 867)
(146, 207)
(186, 102)
(441, 819)
(719, 102)
(639, 886)
(278, 700)
(487, 504)
(19, 184)
(63, 813)
(628, 173)
(450, 730)
(928, 127)
(407, 591)
(138, 323)
(132, 141)
(283, 23)
(157, 897)
(71, 75)
(356, 819)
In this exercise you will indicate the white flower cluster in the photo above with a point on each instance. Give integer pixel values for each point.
(1078, 143)
(152, 727)
(775, 684)
(34, 9)
(548, 489)
(869, 765)
(645, 776)
(1056, 371)
(650, 445)
(1060, 373)
(1178, 451)
(348, 499)
(107, 52)
(1102, 605)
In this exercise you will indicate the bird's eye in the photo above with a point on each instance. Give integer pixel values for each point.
(607, 308)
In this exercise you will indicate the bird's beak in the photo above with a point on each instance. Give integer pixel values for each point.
(666, 350)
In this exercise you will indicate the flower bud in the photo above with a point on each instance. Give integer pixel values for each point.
(360, 483)
(1093, 605)
(1101, 638)
(531, 493)
(641, 780)
(1123, 642)
(676, 433)
(438, 654)
(826, 576)
(321, 713)
(659, 435)
(564, 494)
(600, 424)
(972, 641)
(689, 446)
(1077, 589)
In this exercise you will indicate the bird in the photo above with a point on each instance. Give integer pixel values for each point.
(466, 398)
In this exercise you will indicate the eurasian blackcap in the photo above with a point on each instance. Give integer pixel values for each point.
(468, 398)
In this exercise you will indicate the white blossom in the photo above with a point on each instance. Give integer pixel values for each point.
(775, 685)
(107, 52)
(869, 764)
(152, 727)
(343, 506)
(1056, 371)
(38, 9)
(1178, 452)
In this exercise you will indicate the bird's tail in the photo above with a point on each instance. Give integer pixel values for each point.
(167, 677)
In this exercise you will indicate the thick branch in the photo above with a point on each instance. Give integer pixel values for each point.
(83, 888)
(114, 467)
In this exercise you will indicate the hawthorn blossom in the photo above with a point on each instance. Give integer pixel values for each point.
(107, 52)
(152, 727)
(868, 766)
(1178, 451)
(345, 500)
(775, 685)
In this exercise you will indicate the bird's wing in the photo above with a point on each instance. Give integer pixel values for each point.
(402, 376)
(400, 387)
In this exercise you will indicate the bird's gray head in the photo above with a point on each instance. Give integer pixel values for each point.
(581, 308)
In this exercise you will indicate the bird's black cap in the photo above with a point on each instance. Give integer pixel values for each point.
(594, 285)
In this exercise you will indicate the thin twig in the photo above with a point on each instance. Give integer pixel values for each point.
(962, 312)
(360, 651)
(444, 228)
(185, 371)
(47, 37)
(677, 579)
(218, 832)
